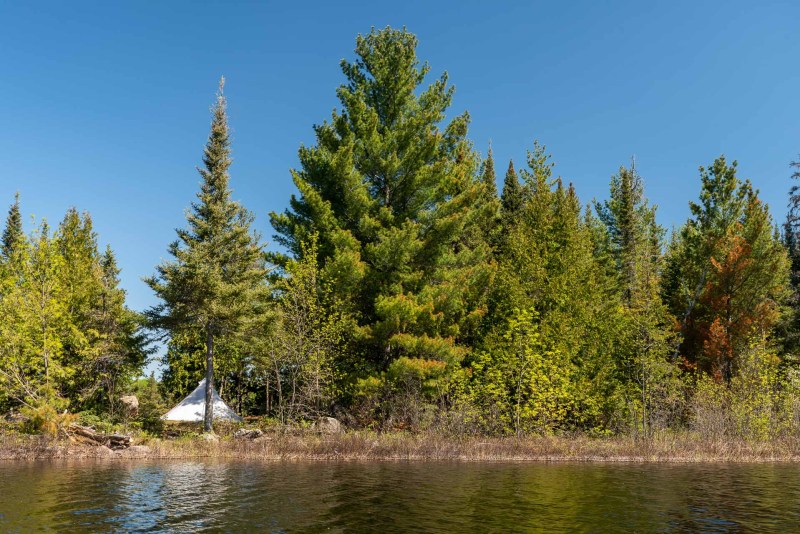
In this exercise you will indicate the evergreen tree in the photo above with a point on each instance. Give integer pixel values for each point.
(34, 326)
(512, 198)
(80, 279)
(636, 247)
(490, 219)
(488, 175)
(790, 326)
(12, 232)
(67, 339)
(727, 274)
(793, 218)
(548, 265)
(392, 195)
(120, 341)
(215, 283)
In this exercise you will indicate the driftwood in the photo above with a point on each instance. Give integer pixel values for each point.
(86, 434)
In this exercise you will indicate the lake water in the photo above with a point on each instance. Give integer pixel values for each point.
(189, 496)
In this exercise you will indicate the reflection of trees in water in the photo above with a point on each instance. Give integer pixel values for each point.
(134, 496)
(196, 494)
(396, 496)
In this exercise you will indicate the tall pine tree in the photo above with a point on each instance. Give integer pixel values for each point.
(727, 272)
(391, 192)
(215, 283)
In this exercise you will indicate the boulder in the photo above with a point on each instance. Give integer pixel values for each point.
(328, 425)
(134, 451)
(248, 433)
(130, 404)
(210, 437)
(103, 452)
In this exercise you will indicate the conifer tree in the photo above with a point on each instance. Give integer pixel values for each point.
(80, 278)
(13, 229)
(120, 343)
(67, 340)
(488, 175)
(490, 218)
(391, 192)
(548, 265)
(512, 197)
(727, 274)
(790, 326)
(35, 323)
(215, 283)
(636, 248)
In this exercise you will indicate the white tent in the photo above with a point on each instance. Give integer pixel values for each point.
(193, 407)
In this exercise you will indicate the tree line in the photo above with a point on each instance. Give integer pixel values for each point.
(410, 293)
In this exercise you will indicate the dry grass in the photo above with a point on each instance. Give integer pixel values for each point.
(362, 445)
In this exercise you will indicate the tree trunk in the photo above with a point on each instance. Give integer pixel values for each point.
(209, 411)
(266, 391)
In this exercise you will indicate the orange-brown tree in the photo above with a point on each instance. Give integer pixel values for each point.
(727, 274)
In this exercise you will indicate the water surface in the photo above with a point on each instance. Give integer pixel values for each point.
(190, 496)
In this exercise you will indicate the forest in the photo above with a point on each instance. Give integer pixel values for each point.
(408, 287)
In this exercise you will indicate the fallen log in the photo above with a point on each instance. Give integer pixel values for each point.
(87, 434)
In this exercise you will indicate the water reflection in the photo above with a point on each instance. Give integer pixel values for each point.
(194, 496)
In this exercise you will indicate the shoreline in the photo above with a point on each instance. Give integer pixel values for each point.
(371, 446)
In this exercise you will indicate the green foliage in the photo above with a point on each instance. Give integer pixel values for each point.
(151, 404)
(727, 273)
(513, 196)
(67, 340)
(422, 377)
(12, 233)
(216, 281)
(523, 386)
(47, 414)
(395, 198)
(300, 355)
(548, 263)
(651, 386)
(757, 405)
(410, 296)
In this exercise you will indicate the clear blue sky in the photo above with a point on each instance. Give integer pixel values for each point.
(105, 106)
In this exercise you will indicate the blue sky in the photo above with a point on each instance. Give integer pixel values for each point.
(105, 106)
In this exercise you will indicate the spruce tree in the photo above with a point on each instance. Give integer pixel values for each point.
(81, 281)
(12, 232)
(634, 234)
(392, 193)
(489, 208)
(636, 247)
(35, 323)
(512, 198)
(120, 342)
(215, 283)
(489, 177)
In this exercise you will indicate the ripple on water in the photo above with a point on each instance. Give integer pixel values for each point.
(191, 496)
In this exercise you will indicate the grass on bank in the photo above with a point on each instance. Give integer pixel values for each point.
(297, 444)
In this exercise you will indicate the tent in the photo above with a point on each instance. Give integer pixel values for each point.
(193, 407)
